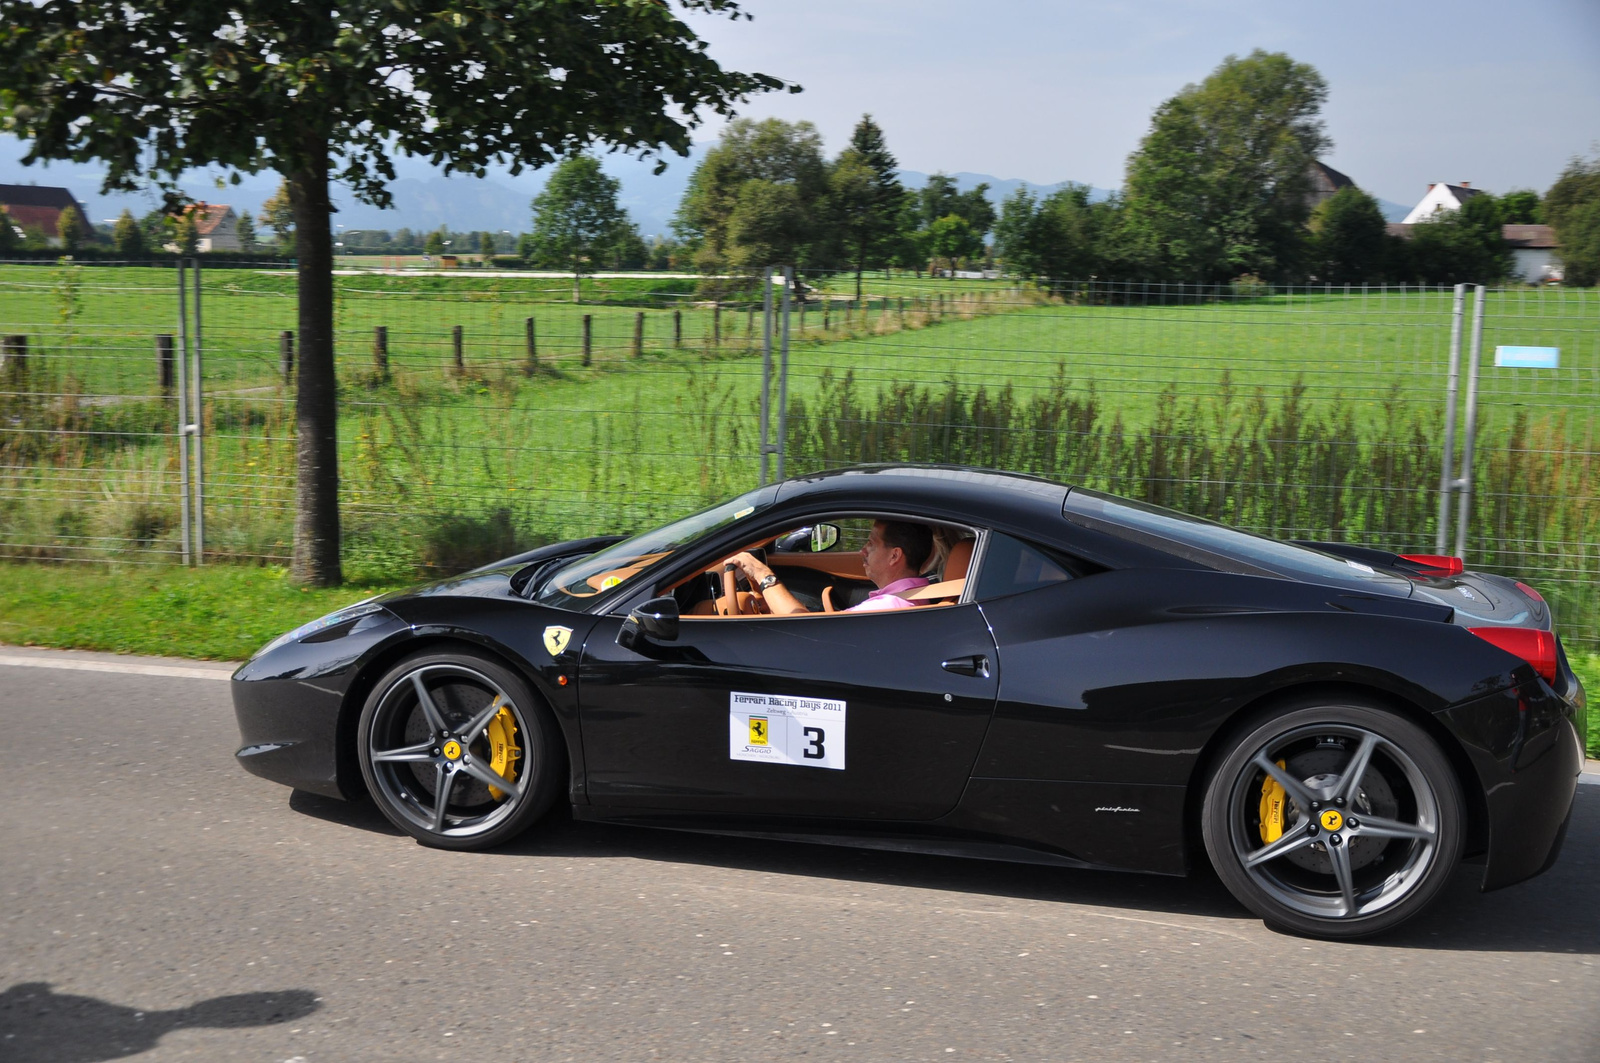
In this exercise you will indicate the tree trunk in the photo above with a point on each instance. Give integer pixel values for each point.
(316, 518)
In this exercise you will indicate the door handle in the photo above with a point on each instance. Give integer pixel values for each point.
(976, 665)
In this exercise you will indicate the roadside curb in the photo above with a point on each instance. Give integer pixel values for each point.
(123, 663)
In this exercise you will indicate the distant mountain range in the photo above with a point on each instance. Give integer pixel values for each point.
(425, 198)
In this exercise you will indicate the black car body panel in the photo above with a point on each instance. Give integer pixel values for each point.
(1082, 739)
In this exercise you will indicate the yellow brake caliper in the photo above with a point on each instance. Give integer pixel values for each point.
(1272, 797)
(503, 749)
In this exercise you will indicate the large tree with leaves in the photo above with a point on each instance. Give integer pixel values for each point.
(754, 199)
(578, 225)
(1220, 185)
(323, 93)
(1573, 207)
(866, 198)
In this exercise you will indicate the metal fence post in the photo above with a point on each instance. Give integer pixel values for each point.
(783, 375)
(183, 410)
(1446, 466)
(199, 431)
(766, 370)
(1468, 436)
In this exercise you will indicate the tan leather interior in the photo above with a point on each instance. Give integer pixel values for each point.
(950, 588)
(827, 600)
(960, 559)
(844, 563)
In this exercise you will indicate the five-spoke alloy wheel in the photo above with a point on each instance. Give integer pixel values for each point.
(1334, 820)
(457, 751)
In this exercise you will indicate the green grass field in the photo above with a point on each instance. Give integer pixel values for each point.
(627, 441)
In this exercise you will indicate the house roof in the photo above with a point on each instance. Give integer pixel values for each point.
(1517, 236)
(1334, 178)
(1529, 236)
(36, 196)
(1460, 193)
(208, 216)
(36, 206)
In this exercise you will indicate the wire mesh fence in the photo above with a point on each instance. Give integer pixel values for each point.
(481, 413)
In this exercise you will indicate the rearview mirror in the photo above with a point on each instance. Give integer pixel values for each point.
(656, 620)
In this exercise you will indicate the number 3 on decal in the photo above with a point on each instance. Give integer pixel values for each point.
(814, 748)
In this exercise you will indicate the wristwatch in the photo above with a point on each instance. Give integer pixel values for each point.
(769, 582)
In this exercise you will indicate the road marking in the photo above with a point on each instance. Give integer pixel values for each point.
(168, 670)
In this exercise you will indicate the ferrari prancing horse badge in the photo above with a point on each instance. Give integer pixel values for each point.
(556, 639)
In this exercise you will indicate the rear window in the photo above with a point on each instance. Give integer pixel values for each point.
(1219, 546)
(1011, 567)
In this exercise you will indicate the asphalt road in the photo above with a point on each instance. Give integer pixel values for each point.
(159, 903)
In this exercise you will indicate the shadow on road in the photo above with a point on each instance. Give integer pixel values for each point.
(39, 1025)
(1554, 912)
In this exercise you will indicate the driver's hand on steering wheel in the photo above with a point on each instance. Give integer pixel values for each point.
(754, 570)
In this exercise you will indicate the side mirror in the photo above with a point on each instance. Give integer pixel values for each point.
(656, 620)
(824, 537)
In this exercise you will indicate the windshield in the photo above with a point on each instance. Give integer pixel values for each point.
(620, 565)
(1208, 543)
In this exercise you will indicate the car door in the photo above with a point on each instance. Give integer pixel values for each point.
(875, 715)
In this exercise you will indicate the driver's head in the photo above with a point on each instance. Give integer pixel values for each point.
(896, 550)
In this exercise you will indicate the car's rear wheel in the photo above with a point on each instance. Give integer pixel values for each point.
(1334, 820)
(457, 751)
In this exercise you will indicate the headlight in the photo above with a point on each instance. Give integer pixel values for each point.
(338, 616)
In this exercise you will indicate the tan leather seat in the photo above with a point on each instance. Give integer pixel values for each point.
(960, 559)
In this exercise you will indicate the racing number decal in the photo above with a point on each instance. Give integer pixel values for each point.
(777, 729)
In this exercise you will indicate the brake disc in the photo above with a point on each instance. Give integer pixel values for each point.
(1321, 768)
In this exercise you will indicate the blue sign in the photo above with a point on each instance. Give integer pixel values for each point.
(1528, 357)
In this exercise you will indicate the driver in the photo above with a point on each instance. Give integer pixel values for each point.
(892, 558)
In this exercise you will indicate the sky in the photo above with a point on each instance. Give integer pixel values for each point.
(1047, 91)
(1498, 94)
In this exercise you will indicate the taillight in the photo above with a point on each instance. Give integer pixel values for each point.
(1532, 644)
(1529, 591)
(1437, 564)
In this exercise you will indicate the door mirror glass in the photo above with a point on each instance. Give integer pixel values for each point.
(656, 620)
(824, 537)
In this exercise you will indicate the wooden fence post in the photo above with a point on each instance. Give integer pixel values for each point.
(588, 339)
(164, 362)
(533, 348)
(380, 350)
(286, 355)
(827, 312)
(716, 324)
(455, 345)
(677, 328)
(14, 360)
(638, 334)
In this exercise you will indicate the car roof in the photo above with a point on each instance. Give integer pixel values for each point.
(987, 495)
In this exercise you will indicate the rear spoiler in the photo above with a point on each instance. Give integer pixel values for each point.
(1409, 564)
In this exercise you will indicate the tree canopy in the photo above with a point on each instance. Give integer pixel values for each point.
(755, 197)
(1061, 237)
(866, 199)
(320, 92)
(578, 224)
(1572, 206)
(1351, 241)
(1219, 187)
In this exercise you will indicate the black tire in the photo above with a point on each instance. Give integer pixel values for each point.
(409, 750)
(1397, 829)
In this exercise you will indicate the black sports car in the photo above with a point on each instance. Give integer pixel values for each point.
(1069, 678)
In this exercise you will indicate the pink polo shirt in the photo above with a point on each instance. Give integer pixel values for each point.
(888, 597)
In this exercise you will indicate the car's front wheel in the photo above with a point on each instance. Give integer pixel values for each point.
(1334, 820)
(457, 751)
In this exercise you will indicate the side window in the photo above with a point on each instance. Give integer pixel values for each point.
(1011, 567)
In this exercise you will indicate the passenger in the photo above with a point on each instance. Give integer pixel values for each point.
(892, 559)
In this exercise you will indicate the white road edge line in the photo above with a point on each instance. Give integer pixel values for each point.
(170, 671)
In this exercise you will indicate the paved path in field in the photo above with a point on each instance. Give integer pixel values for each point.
(158, 903)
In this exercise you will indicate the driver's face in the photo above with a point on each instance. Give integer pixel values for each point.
(878, 559)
